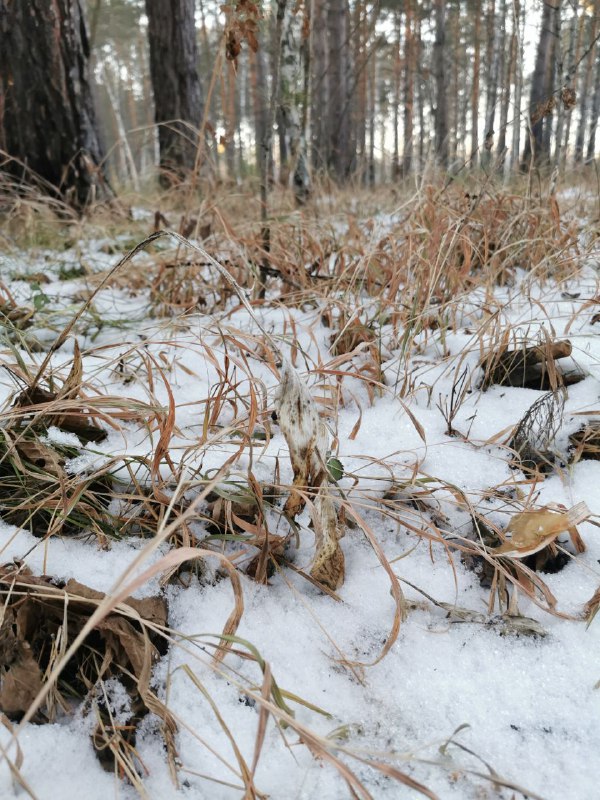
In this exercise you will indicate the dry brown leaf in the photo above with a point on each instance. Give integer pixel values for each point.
(72, 385)
(591, 607)
(533, 530)
(41, 456)
(33, 620)
(328, 564)
(21, 676)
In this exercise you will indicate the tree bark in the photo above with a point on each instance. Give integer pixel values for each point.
(420, 93)
(340, 157)
(319, 85)
(441, 109)
(475, 90)
(260, 102)
(292, 80)
(595, 110)
(47, 118)
(505, 71)
(396, 104)
(492, 58)
(575, 37)
(541, 100)
(371, 115)
(409, 89)
(518, 25)
(175, 83)
(584, 94)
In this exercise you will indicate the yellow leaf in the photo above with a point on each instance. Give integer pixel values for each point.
(533, 530)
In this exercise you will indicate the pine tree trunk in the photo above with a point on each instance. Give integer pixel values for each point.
(541, 99)
(409, 89)
(561, 80)
(504, 81)
(260, 101)
(594, 112)
(128, 169)
(584, 95)
(492, 59)
(360, 57)
(47, 118)
(454, 93)
(319, 83)
(420, 94)
(441, 109)
(372, 111)
(396, 104)
(229, 117)
(518, 25)
(475, 90)
(340, 157)
(553, 79)
(575, 37)
(175, 83)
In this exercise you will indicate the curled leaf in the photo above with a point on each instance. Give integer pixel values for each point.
(305, 435)
(307, 441)
(533, 530)
(328, 564)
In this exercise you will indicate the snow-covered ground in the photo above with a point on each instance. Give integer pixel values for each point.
(525, 708)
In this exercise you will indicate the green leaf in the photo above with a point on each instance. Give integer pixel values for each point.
(335, 469)
(40, 300)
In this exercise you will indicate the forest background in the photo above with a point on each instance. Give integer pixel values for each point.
(369, 92)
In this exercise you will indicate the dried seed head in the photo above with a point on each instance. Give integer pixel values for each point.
(568, 97)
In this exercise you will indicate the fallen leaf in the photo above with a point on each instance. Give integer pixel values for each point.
(533, 530)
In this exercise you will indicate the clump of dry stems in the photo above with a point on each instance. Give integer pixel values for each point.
(383, 295)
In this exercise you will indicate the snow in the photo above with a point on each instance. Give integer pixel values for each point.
(527, 705)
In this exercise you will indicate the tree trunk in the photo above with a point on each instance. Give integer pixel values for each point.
(441, 110)
(492, 58)
(175, 83)
(47, 119)
(409, 89)
(553, 79)
(340, 158)
(455, 59)
(584, 95)
(319, 84)
(541, 100)
(372, 111)
(518, 25)
(128, 167)
(475, 90)
(292, 80)
(595, 110)
(561, 80)
(361, 36)
(505, 72)
(575, 36)
(420, 94)
(396, 104)
(260, 101)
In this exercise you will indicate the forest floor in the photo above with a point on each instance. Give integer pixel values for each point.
(450, 345)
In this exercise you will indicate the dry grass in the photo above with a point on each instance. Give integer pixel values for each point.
(385, 293)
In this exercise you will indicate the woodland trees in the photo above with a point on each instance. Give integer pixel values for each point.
(175, 83)
(47, 115)
(343, 88)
